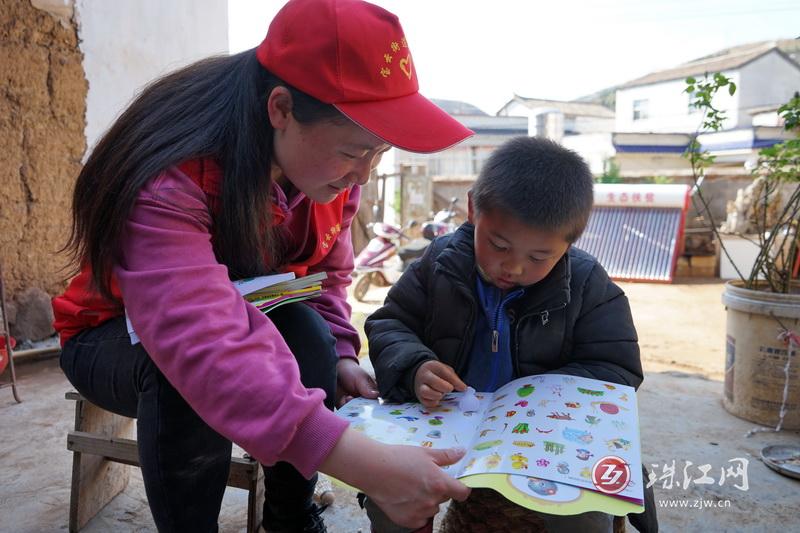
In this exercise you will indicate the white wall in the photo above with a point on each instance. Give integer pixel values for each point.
(582, 124)
(668, 107)
(770, 79)
(595, 148)
(127, 43)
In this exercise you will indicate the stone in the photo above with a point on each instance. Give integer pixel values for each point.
(11, 311)
(34, 317)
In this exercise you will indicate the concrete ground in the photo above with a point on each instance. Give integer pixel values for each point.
(681, 328)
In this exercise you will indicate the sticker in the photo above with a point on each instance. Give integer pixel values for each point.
(542, 487)
(487, 445)
(580, 436)
(583, 455)
(520, 428)
(556, 448)
(608, 407)
(618, 444)
(525, 390)
(592, 420)
(519, 461)
(436, 421)
(493, 461)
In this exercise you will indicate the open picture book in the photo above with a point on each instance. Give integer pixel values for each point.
(536, 440)
(269, 292)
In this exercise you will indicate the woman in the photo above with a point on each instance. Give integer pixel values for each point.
(230, 168)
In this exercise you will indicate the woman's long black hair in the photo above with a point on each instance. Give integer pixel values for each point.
(214, 108)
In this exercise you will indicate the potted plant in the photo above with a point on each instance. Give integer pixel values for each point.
(763, 305)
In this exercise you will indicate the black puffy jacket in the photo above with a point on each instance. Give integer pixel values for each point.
(575, 321)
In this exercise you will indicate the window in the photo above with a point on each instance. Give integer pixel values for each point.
(640, 109)
(690, 108)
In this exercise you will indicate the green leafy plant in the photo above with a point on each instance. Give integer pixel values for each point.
(775, 222)
(660, 180)
(611, 172)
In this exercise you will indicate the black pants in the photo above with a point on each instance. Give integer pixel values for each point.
(184, 462)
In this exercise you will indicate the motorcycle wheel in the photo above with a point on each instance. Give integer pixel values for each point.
(362, 286)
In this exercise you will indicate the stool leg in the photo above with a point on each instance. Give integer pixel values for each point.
(96, 480)
(75, 493)
(255, 501)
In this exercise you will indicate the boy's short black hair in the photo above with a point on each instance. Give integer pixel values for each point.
(538, 181)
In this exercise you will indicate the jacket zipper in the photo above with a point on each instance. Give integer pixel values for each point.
(496, 334)
(496, 327)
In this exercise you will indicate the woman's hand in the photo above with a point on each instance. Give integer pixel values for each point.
(406, 482)
(433, 380)
(353, 381)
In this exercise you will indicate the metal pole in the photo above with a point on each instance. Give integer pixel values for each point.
(9, 349)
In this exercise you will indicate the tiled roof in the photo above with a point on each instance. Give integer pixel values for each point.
(568, 108)
(456, 107)
(727, 59)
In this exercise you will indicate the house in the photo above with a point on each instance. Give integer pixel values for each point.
(556, 119)
(655, 107)
(468, 157)
(412, 186)
(581, 126)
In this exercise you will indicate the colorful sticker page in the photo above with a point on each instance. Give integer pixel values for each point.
(549, 429)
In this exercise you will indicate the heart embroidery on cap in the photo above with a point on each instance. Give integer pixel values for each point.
(405, 66)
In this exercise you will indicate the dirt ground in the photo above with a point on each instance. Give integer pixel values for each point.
(681, 328)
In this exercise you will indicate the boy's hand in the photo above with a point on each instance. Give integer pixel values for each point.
(434, 379)
(353, 381)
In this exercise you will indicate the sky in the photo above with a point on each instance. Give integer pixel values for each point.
(485, 51)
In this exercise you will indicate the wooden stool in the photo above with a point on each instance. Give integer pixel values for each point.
(103, 443)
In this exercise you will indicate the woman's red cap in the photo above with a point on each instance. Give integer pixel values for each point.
(354, 55)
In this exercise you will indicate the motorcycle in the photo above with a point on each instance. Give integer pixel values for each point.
(383, 260)
(442, 223)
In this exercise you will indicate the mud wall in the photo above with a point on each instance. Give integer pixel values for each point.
(42, 108)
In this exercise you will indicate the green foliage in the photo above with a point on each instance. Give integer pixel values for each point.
(611, 173)
(660, 180)
(777, 234)
(702, 93)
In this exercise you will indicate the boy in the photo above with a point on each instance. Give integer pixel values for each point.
(507, 296)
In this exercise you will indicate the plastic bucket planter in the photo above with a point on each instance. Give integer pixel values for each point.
(4, 352)
(756, 358)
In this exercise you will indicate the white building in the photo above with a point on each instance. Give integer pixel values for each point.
(466, 158)
(581, 126)
(556, 119)
(655, 119)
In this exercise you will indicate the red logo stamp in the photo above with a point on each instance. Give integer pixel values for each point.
(611, 474)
